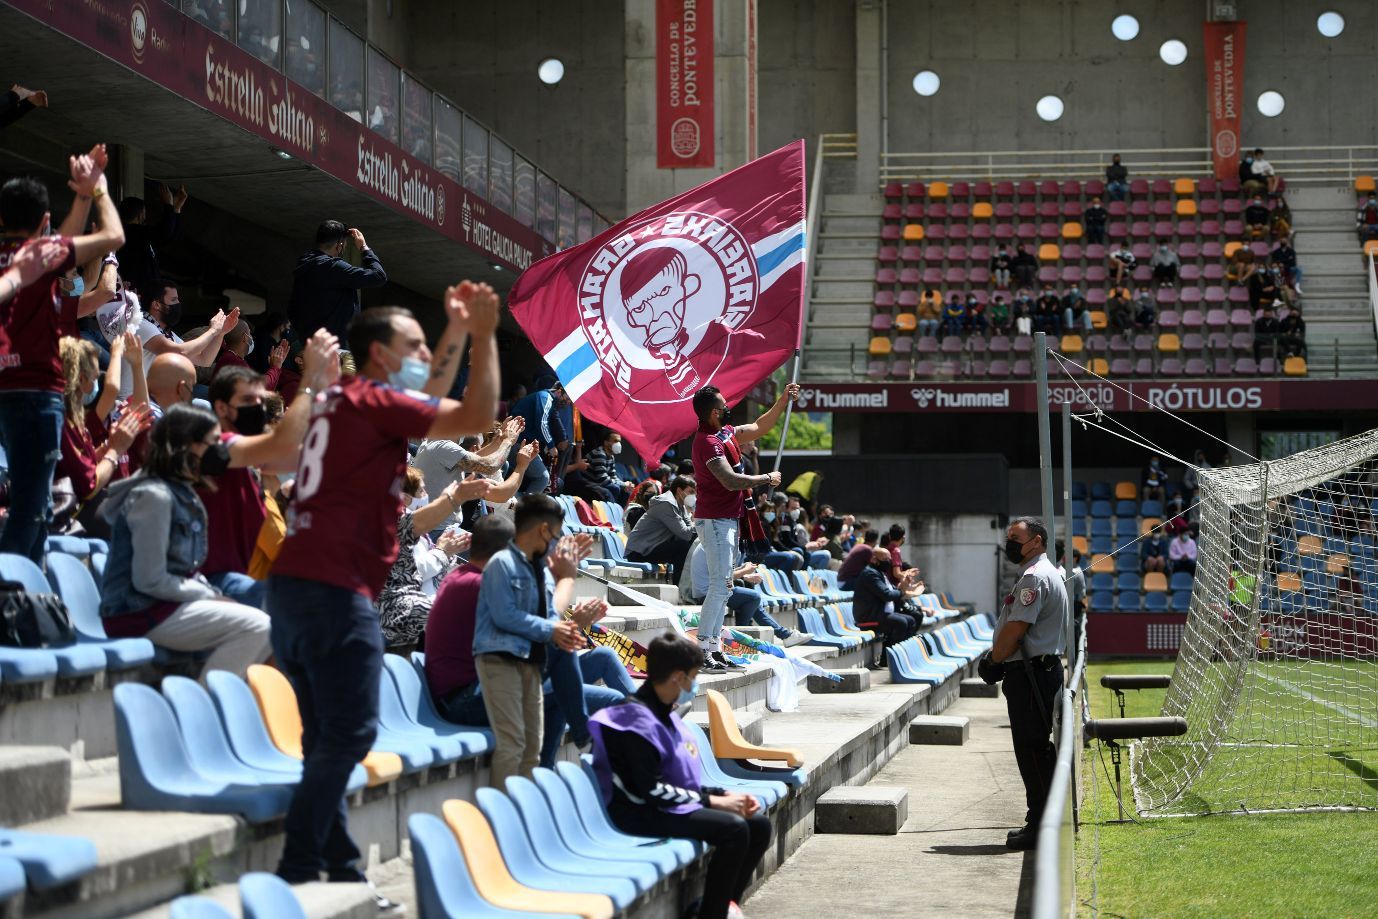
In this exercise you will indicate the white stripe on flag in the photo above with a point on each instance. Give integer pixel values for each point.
(567, 346)
(575, 363)
(779, 252)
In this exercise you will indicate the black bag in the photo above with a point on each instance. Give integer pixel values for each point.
(29, 620)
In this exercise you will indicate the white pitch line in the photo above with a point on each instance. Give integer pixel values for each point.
(1348, 713)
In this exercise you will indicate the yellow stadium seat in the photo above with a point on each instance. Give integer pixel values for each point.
(1364, 184)
(1148, 525)
(1103, 564)
(1371, 247)
(1126, 491)
(1169, 343)
(1080, 544)
(1186, 207)
(1099, 366)
(1294, 366)
(1155, 582)
(1098, 319)
(1232, 247)
(1070, 344)
(982, 210)
(1049, 252)
(1335, 564)
(495, 883)
(728, 742)
(1183, 187)
(1309, 545)
(906, 322)
(277, 703)
(937, 189)
(913, 232)
(1071, 230)
(880, 346)
(1288, 581)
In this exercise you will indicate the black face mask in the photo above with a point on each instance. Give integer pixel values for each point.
(1014, 550)
(216, 460)
(726, 416)
(172, 314)
(250, 419)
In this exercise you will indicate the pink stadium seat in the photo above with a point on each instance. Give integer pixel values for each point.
(957, 253)
(999, 368)
(1142, 251)
(1095, 297)
(911, 255)
(981, 295)
(887, 255)
(933, 255)
(1071, 188)
(1143, 367)
(1241, 319)
(1026, 189)
(1242, 341)
(1026, 231)
(1161, 187)
(1268, 367)
(936, 231)
(1140, 229)
(1118, 230)
(977, 345)
(958, 231)
(1004, 210)
(1022, 344)
(952, 344)
(893, 191)
(1212, 250)
(908, 300)
(1190, 272)
(1121, 367)
(885, 276)
(915, 190)
(1162, 208)
(932, 277)
(909, 277)
(1138, 187)
(1189, 249)
(1049, 209)
(1216, 296)
(875, 370)
(1021, 369)
(1048, 188)
(1222, 367)
(1095, 274)
(1074, 370)
(976, 369)
(925, 369)
(1119, 344)
(960, 190)
(1169, 319)
(884, 300)
(1142, 273)
(1163, 229)
(1167, 296)
(1260, 249)
(1139, 209)
(1047, 274)
(1026, 210)
(1071, 252)
(1193, 341)
(980, 231)
(1237, 294)
(961, 210)
(1196, 367)
(890, 232)
(936, 211)
(1004, 189)
(980, 252)
(979, 274)
(1186, 229)
(1072, 210)
(1094, 187)
(913, 212)
(998, 344)
(1218, 341)
(1245, 367)
(981, 190)
(1231, 206)
(1143, 343)
(1095, 252)
(1170, 367)
(901, 370)
(1003, 231)
(1049, 232)
(1208, 207)
(882, 322)
(1210, 229)
(891, 212)
(1189, 295)
(1096, 344)
(955, 276)
(1206, 186)
(1071, 274)
(903, 344)
(1117, 209)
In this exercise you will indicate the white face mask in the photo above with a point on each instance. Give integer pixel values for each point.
(418, 502)
(690, 500)
(617, 448)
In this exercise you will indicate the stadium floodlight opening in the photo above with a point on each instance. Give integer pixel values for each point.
(1173, 52)
(1125, 27)
(1271, 103)
(551, 71)
(1049, 108)
(926, 82)
(1330, 24)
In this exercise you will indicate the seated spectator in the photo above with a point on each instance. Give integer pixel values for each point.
(1181, 553)
(1257, 219)
(599, 481)
(652, 785)
(1266, 331)
(1263, 289)
(1286, 256)
(1165, 264)
(1075, 314)
(832, 532)
(1366, 220)
(1155, 480)
(1153, 554)
(778, 527)
(1122, 262)
(1116, 179)
(746, 600)
(1280, 225)
(1241, 266)
(814, 551)
(1022, 313)
(930, 311)
(999, 315)
(1292, 333)
(1191, 479)
(1145, 310)
(955, 315)
(1000, 266)
(1024, 266)
(876, 604)
(1093, 221)
(1048, 312)
(1277, 281)
(152, 586)
(825, 513)
(666, 531)
(857, 558)
(404, 603)
(976, 321)
(1119, 310)
(1262, 178)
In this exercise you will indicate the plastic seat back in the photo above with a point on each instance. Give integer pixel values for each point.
(151, 751)
(267, 896)
(243, 724)
(21, 569)
(197, 908)
(728, 742)
(444, 888)
(204, 736)
(78, 589)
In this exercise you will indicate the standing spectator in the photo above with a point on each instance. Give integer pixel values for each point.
(599, 481)
(930, 312)
(1155, 481)
(1075, 315)
(955, 315)
(1366, 220)
(1181, 552)
(1265, 332)
(716, 518)
(1048, 314)
(1122, 264)
(138, 257)
(1256, 218)
(666, 531)
(272, 329)
(1094, 220)
(1292, 333)
(1000, 265)
(1286, 256)
(1116, 179)
(444, 462)
(32, 385)
(1025, 267)
(999, 315)
(152, 585)
(325, 287)
(1153, 555)
(875, 604)
(320, 596)
(1165, 263)
(18, 102)
(746, 602)
(540, 411)
(1145, 310)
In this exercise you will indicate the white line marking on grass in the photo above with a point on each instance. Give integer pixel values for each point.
(1348, 713)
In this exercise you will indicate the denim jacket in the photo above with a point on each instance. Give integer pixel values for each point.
(158, 543)
(506, 619)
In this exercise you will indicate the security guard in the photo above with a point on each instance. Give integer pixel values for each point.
(1027, 656)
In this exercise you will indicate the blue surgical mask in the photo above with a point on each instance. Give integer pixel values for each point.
(78, 287)
(687, 695)
(91, 397)
(413, 373)
(769, 516)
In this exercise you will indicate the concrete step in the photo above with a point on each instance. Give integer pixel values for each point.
(854, 203)
(852, 224)
(318, 901)
(37, 783)
(836, 288)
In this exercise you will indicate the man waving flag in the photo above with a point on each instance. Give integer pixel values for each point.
(707, 287)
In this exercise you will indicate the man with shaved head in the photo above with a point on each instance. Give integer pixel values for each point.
(875, 601)
(170, 380)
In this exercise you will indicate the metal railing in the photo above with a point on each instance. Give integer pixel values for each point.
(838, 146)
(1372, 294)
(1054, 895)
(814, 219)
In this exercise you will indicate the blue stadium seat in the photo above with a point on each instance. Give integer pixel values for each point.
(767, 792)
(267, 896)
(1153, 508)
(1126, 530)
(1126, 563)
(1102, 601)
(1180, 580)
(555, 850)
(1155, 602)
(26, 665)
(1101, 509)
(1079, 491)
(1181, 601)
(1102, 545)
(396, 728)
(1102, 527)
(1336, 544)
(584, 792)
(410, 679)
(1079, 527)
(49, 861)
(1128, 581)
(528, 868)
(1126, 509)
(11, 878)
(811, 622)
(156, 772)
(244, 728)
(578, 838)
(73, 660)
(1129, 601)
(1102, 491)
(204, 739)
(936, 653)
(197, 908)
(613, 551)
(73, 582)
(1079, 508)
(903, 670)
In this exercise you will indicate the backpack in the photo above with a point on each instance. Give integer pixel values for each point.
(32, 620)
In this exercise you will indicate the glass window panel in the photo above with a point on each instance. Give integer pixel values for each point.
(260, 29)
(547, 200)
(568, 205)
(475, 157)
(216, 15)
(500, 175)
(449, 157)
(524, 192)
(599, 224)
(583, 227)
(305, 62)
(382, 95)
(346, 71)
(416, 119)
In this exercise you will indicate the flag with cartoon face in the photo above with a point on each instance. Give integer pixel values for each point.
(705, 288)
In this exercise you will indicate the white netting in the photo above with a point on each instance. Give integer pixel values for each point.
(1278, 684)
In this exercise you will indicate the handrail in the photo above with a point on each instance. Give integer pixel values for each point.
(1372, 290)
(1055, 864)
(813, 219)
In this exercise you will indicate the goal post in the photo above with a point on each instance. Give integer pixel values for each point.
(1277, 672)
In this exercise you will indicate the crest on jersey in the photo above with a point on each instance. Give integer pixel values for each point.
(1027, 595)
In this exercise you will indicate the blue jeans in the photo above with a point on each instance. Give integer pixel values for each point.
(1116, 191)
(537, 478)
(784, 561)
(240, 588)
(719, 539)
(571, 696)
(928, 327)
(745, 604)
(327, 641)
(31, 433)
(1070, 321)
(818, 560)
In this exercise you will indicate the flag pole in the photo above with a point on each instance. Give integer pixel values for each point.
(789, 409)
(813, 199)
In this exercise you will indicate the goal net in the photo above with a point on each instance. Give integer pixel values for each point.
(1277, 673)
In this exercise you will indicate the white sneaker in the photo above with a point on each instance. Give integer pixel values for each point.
(734, 911)
(796, 638)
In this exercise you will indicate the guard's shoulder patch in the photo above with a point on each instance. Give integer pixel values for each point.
(1027, 596)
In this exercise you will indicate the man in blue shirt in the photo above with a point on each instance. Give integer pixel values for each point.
(543, 412)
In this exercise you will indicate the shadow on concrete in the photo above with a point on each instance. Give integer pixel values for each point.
(1023, 904)
(985, 848)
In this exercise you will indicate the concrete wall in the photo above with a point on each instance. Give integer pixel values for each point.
(956, 553)
(806, 72)
(997, 57)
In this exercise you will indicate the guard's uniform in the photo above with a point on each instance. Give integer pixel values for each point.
(1033, 676)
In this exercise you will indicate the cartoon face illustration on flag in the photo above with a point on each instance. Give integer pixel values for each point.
(706, 288)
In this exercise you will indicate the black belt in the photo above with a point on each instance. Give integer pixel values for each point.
(1041, 662)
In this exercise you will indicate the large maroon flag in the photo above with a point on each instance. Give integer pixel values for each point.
(705, 288)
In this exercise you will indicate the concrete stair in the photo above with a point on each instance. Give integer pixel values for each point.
(37, 783)
(1339, 316)
(842, 286)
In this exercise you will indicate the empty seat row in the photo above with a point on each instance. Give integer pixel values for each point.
(1022, 368)
(261, 896)
(1067, 188)
(933, 657)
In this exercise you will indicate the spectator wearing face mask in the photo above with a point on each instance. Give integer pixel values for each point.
(598, 480)
(155, 319)
(1155, 481)
(442, 463)
(239, 344)
(153, 585)
(1165, 263)
(1256, 218)
(325, 287)
(666, 531)
(874, 601)
(1094, 220)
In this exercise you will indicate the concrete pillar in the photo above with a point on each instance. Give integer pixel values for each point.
(734, 88)
(868, 94)
(130, 179)
(1240, 431)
